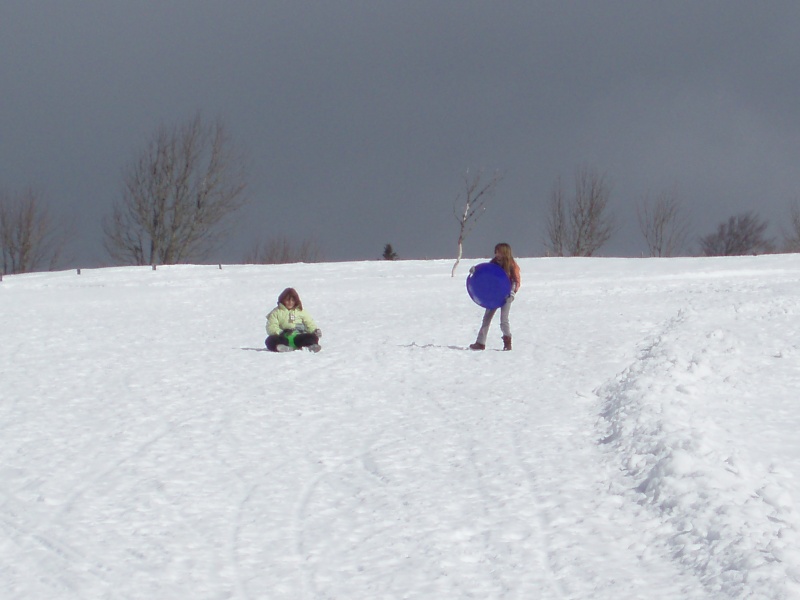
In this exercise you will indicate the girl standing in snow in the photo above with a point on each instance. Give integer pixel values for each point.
(504, 258)
(289, 327)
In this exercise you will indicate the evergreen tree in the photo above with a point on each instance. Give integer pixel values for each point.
(389, 253)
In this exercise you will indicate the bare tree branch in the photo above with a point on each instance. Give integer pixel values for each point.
(663, 224)
(791, 238)
(579, 226)
(283, 251)
(741, 235)
(476, 196)
(556, 223)
(29, 240)
(177, 197)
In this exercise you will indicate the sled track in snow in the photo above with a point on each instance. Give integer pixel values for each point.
(69, 573)
(662, 442)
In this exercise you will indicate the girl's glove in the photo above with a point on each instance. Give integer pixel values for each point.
(318, 333)
(510, 297)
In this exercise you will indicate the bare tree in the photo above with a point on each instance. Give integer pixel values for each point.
(663, 224)
(29, 240)
(476, 196)
(177, 196)
(739, 235)
(283, 251)
(580, 225)
(556, 223)
(791, 238)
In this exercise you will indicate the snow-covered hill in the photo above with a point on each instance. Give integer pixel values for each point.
(640, 441)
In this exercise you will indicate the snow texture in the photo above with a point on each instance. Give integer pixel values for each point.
(640, 441)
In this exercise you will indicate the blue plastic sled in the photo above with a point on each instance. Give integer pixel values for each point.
(488, 285)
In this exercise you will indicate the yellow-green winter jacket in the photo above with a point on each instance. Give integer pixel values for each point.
(281, 318)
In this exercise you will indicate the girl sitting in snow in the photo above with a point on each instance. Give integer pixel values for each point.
(504, 258)
(289, 327)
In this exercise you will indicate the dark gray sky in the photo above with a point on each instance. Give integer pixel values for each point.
(360, 118)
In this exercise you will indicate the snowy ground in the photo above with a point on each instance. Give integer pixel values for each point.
(640, 441)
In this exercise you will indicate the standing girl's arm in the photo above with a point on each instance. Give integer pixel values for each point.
(516, 278)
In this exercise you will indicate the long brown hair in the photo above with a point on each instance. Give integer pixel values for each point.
(506, 257)
(290, 293)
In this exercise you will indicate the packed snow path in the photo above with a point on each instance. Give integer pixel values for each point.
(639, 441)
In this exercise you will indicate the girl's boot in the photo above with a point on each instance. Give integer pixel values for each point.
(477, 346)
(506, 342)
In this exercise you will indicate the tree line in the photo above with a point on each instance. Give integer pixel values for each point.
(579, 223)
(180, 194)
(178, 199)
